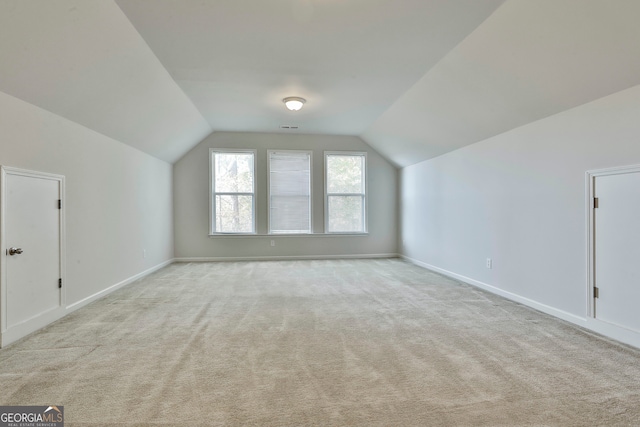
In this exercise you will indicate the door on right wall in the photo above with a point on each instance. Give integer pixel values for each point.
(617, 249)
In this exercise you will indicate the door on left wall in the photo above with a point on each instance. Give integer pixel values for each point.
(32, 237)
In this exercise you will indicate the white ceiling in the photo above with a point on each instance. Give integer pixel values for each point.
(413, 78)
(351, 59)
(83, 60)
(529, 60)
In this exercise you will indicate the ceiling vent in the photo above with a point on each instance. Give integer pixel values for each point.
(288, 127)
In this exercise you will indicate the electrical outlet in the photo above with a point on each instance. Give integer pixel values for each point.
(489, 263)
(273, 243)
(144, 254)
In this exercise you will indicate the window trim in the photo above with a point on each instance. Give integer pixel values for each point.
(269, 230)
(365, 205)
(212, 151)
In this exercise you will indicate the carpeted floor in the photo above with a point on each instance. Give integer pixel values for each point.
(319, 343)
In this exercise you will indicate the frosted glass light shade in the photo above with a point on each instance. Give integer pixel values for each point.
(294, 103)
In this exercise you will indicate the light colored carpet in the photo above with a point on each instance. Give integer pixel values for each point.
(319, 343)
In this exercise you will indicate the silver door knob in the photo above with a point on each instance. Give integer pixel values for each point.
(15, 251)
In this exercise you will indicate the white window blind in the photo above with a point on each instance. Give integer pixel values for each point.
(289, 192)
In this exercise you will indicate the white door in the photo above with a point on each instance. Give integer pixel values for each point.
(617, 249)
(32, 222)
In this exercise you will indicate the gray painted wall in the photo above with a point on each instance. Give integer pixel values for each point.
(519, 198)
(118, 199)
(191, 207)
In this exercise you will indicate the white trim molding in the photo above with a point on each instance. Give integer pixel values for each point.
(497, 291)
(15, 332)
(88, 300)
(254, 193)
(616, 332)
(365, 195)
(285, 258)
(18, 332)
(590, 193)
(607, 330)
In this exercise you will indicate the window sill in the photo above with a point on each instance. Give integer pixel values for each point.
(272, 236)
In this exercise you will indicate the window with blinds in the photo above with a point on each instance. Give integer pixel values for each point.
(289, 192)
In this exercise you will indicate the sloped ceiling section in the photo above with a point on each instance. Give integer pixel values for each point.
(529, 60)
(351, 59)
(414, 78)
(84, 61)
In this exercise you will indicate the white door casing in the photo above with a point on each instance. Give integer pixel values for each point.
(614, 248)
(31, 220)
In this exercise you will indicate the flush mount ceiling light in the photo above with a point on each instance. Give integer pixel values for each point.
(294, 103)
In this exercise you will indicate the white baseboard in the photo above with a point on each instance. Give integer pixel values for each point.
(284, 258)
(107, 291)
(608, 330)
(23, 329)
(15, 332)
(614, 332)
(505, 294)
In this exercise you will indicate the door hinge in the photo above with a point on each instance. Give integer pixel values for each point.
(596, 292)
(59, 283)
(59, 204)
(595, 203)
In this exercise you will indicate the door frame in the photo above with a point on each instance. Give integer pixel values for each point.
(591, 227)
(18, 331)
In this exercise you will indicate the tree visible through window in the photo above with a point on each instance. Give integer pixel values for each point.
(233, 195)
(346, 192)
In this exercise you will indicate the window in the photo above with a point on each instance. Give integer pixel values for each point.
(289, 192)
(345, 187)
(232, 191)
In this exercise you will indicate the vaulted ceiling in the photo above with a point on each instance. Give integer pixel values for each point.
(414, 78)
